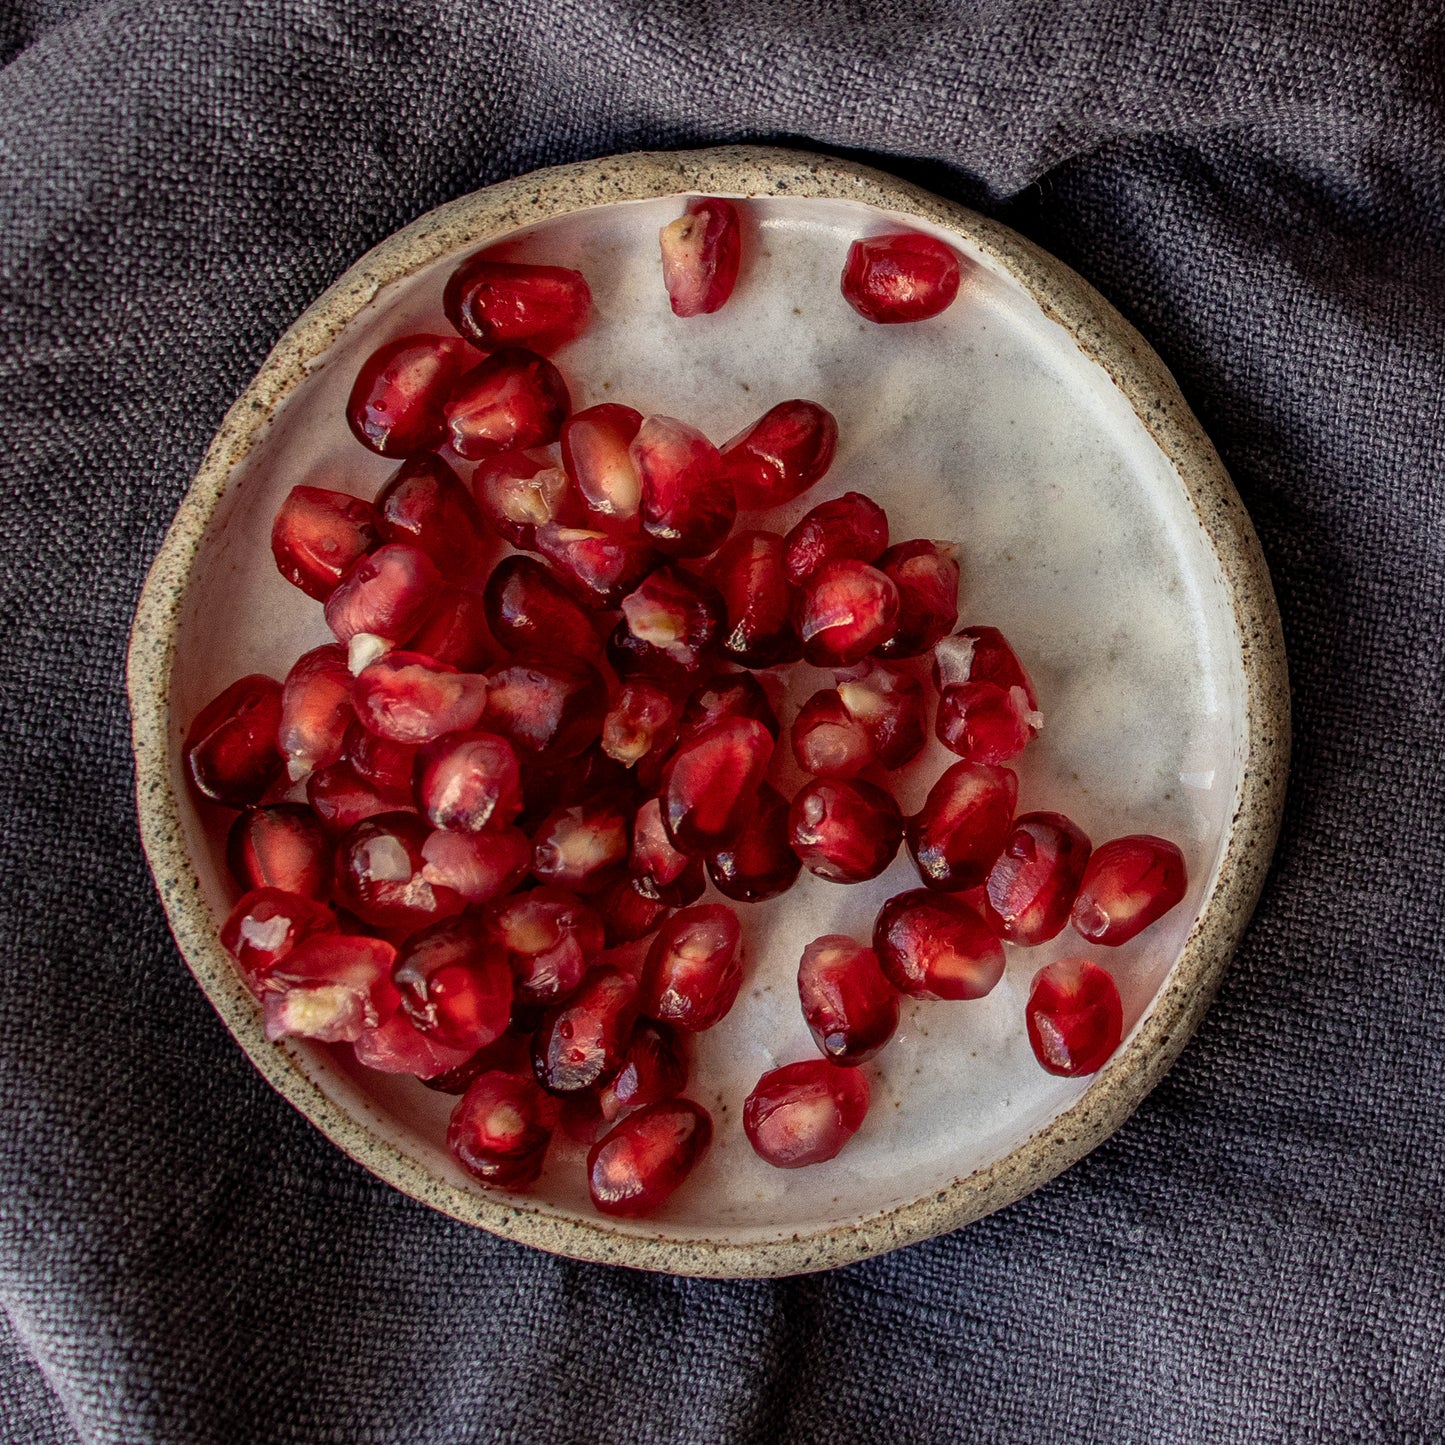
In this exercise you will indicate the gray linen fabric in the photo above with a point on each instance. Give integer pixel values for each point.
(1259, 1255)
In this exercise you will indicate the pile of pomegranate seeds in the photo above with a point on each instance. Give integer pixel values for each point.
(539, 733)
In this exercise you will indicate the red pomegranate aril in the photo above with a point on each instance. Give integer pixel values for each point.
(529, 610)
(265, 925)
(844, 832)
(551, 938)
(455, 632)
(687, 497)
(316, 710)
(230, 751)
(595, 453)
(926, 575)
(380, 869)
(317, 535)
(963, 824)
(408, 698)
(850, 526)
(848, 610)
(628, 915)
(600, 567)
(805, 1113)
(511, 1054)
(1074, 1017)
(581, 846)
(935, 946)
(987, 708)
(549, 707)
(828, 741)
(701, 251)
(676, 616)
(547, 785)
(645, 1158)
(396, 403)
(583, 1041)
(477, 867)
(426, 505)
(758, 601)
(781, 454)
(389, 767)
(887, 703)
(759, 863)
(1129, 884)
(469, 781)
(655, 1068)
(341, 798)
(517, 494)
(710, 782)
(694, 968)
(658, 869)
(455, 983)
(387, 594)
(733, 695)
(514, 400)
(509, 303)
(642, 722)
(281, 846)
(399, 1047)
(331, 987)
(903, 276)
(850, 1007)
(500, 1130)
(1032, 885)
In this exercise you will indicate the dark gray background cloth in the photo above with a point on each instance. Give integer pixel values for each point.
(1259, 1255)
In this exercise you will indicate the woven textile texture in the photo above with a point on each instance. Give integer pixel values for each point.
(1259, 1255)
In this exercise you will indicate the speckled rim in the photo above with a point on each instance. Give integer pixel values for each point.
(1104, 336)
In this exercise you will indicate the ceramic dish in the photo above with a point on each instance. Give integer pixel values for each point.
(1031, 424)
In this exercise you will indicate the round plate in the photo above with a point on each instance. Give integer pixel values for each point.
(1031, 425)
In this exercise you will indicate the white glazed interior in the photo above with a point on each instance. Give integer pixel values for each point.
(986, 426)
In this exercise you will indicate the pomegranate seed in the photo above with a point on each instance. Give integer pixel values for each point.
(330, 988)
(396, 403)
(687, 497)
(700, 255)
(1129, 884)
(848, 610)
(694, 968)
(230, 751)
(426, 505)
(654, 1069)
(904, 276)
(470, 781)
(1074, 1016)
(316, 710)
(317, 535)
(551, 937)
(734, 695)
(987, 709)
(645, 1157)
(514, 400)
(389, 767)
(455, 632)
(510, 1054)
(658, 870)
(506, 303)
(387, 595)
(583, 1041)
(600, 567)
(926, 575)
(581, 846)
(935, 946)
(517, 494)
(757, 599)
(676, 618)
(551, 707)
(283, 847)
(849, 526)
(408, 698)
(528, 609)
(963, 824)
(760, 862)
(500, 1130)
(595, 446)
(380, 874)
(845, 832)
(887, 703)
(781, 454)
(477, 867)
(591, 774)
(805, 1113)
(399, 1047)
(851, 1009)
(1033, 884)
(265, 925)
(455, 984)
(341, 798)
(641, 724)
(629, 915)
(710, 782)
(828, 741)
